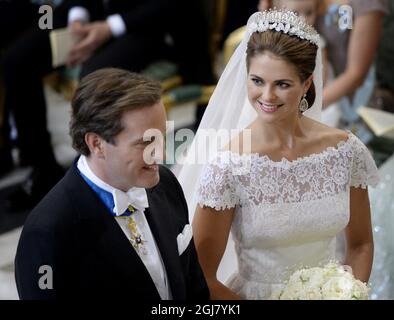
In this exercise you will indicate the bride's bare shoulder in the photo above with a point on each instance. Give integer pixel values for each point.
(328, 135)
(320, 136)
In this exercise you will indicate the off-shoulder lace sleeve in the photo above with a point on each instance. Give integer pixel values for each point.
(216, 188)
(364, 171)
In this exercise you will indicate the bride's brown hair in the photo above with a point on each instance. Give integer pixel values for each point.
(298, 52)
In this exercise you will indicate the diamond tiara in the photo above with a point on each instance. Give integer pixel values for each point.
(282, 21)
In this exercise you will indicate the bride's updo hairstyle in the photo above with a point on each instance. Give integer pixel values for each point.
(300, 53)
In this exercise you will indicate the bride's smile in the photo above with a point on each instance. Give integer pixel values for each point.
(266, 107)
(282, 196)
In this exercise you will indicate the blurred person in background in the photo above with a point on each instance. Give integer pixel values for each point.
(123, 34)
(351, 53)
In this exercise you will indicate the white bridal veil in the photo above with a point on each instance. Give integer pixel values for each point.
(229, 109)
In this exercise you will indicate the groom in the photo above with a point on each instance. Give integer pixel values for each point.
(116, 226)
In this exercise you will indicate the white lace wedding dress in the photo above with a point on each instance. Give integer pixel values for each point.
(288, 213)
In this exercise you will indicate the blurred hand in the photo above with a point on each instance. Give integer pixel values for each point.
(76, 29)
(92, 36)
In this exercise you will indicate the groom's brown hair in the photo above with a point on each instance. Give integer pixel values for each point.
(101, 99)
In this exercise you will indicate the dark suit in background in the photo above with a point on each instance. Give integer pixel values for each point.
(29, 58)
(15, 17)
(147, 22)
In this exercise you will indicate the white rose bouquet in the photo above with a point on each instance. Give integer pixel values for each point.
(331, 282)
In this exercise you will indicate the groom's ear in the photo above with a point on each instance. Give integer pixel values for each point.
(95, 144)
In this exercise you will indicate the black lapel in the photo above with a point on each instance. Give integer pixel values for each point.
(158, 216)
(109, 239)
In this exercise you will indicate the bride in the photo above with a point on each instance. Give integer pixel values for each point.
(289, 190)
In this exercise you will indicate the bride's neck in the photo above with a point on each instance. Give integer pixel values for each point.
(282, 134)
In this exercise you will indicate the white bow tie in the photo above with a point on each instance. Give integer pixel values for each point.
(136, 197)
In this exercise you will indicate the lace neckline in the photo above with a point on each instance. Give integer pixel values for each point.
(286, 161)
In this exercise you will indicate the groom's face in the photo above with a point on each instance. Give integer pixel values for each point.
(125, 161)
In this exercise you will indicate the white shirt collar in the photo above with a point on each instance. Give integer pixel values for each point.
(136, 197)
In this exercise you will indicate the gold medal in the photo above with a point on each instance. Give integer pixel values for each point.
(136, 238)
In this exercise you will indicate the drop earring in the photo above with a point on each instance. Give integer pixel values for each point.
(304, 105)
